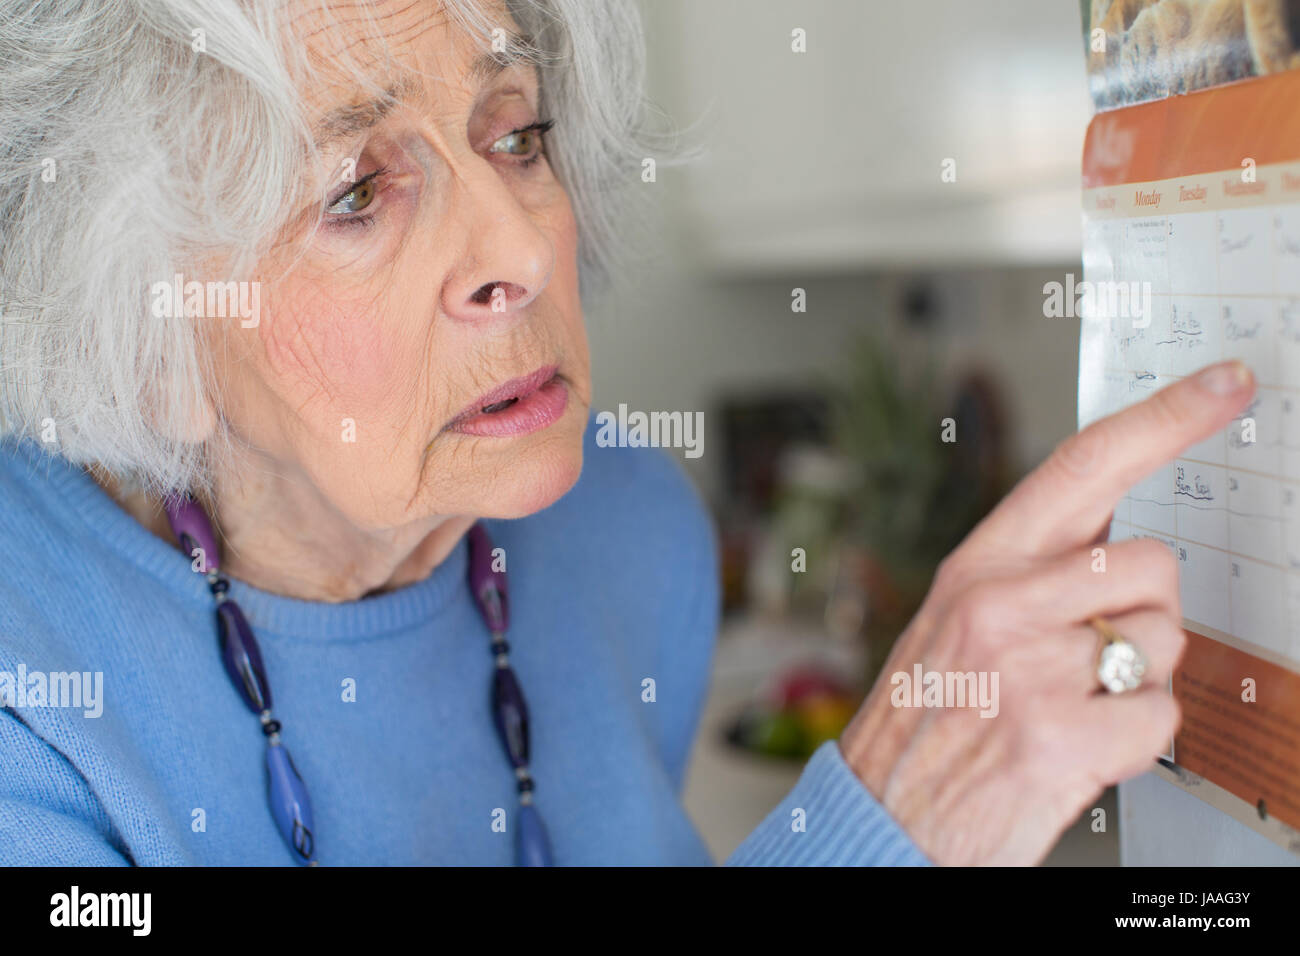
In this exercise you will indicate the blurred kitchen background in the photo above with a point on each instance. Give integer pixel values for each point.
(823, 171)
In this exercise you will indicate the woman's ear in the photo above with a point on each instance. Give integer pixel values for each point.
(180, 401)
(196, 424)
(180, 406)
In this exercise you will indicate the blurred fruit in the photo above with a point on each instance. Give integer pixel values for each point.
(800, 683)
(823, 717)
(806, 707)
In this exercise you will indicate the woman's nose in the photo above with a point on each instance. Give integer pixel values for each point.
(507, 259)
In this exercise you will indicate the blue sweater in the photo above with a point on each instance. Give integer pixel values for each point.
(384, 700)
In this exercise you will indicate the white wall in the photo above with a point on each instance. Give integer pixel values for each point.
(1161, 825)
(673, 340)
(801, 146)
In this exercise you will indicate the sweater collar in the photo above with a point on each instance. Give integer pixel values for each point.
(79, 502)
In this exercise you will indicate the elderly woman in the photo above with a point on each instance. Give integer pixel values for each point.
(294, 378)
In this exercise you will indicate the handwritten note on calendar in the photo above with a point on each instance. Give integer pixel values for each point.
(1191, 256)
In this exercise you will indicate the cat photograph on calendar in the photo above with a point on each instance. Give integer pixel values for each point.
(1151, 49)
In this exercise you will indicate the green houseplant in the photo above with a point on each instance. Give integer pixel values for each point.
(928, 463)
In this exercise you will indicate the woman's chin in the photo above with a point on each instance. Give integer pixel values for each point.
(546, 484)
(510, 476)
(537, 470)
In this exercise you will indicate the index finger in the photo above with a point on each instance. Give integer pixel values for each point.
(1067, 501)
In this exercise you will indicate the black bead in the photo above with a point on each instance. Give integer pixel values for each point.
(242, 658)
(271, 727)
(511, 715)
(219, 586)
(500, 645)
(526, 785)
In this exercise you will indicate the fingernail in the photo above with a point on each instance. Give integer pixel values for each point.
(1224, 378)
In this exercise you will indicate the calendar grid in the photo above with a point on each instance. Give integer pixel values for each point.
(1229, 504)
(1192, 208)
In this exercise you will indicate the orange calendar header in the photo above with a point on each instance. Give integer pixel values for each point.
(1197, 134)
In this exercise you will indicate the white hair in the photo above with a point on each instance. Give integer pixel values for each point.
(127, 156)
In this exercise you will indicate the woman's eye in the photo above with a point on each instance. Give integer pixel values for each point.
(356, 199)
(526, 142)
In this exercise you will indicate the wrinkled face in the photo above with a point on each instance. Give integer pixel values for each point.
(426, 354)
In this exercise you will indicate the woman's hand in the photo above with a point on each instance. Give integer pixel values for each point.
(1014, 599)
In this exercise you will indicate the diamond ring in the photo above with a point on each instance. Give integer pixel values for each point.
(1120, 665)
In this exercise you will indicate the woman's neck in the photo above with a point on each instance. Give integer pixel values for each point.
(289, 541)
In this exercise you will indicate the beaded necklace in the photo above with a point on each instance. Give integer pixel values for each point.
(286, 792)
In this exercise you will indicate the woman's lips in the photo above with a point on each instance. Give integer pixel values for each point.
(519, 406)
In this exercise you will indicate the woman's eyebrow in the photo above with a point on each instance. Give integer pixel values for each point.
(345, 121)
(487, 66)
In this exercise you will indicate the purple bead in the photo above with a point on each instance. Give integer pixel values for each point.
(511, 715)
(487, 586)
(192, 529)
(290, 805)
(532, 845)
(243, 660)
